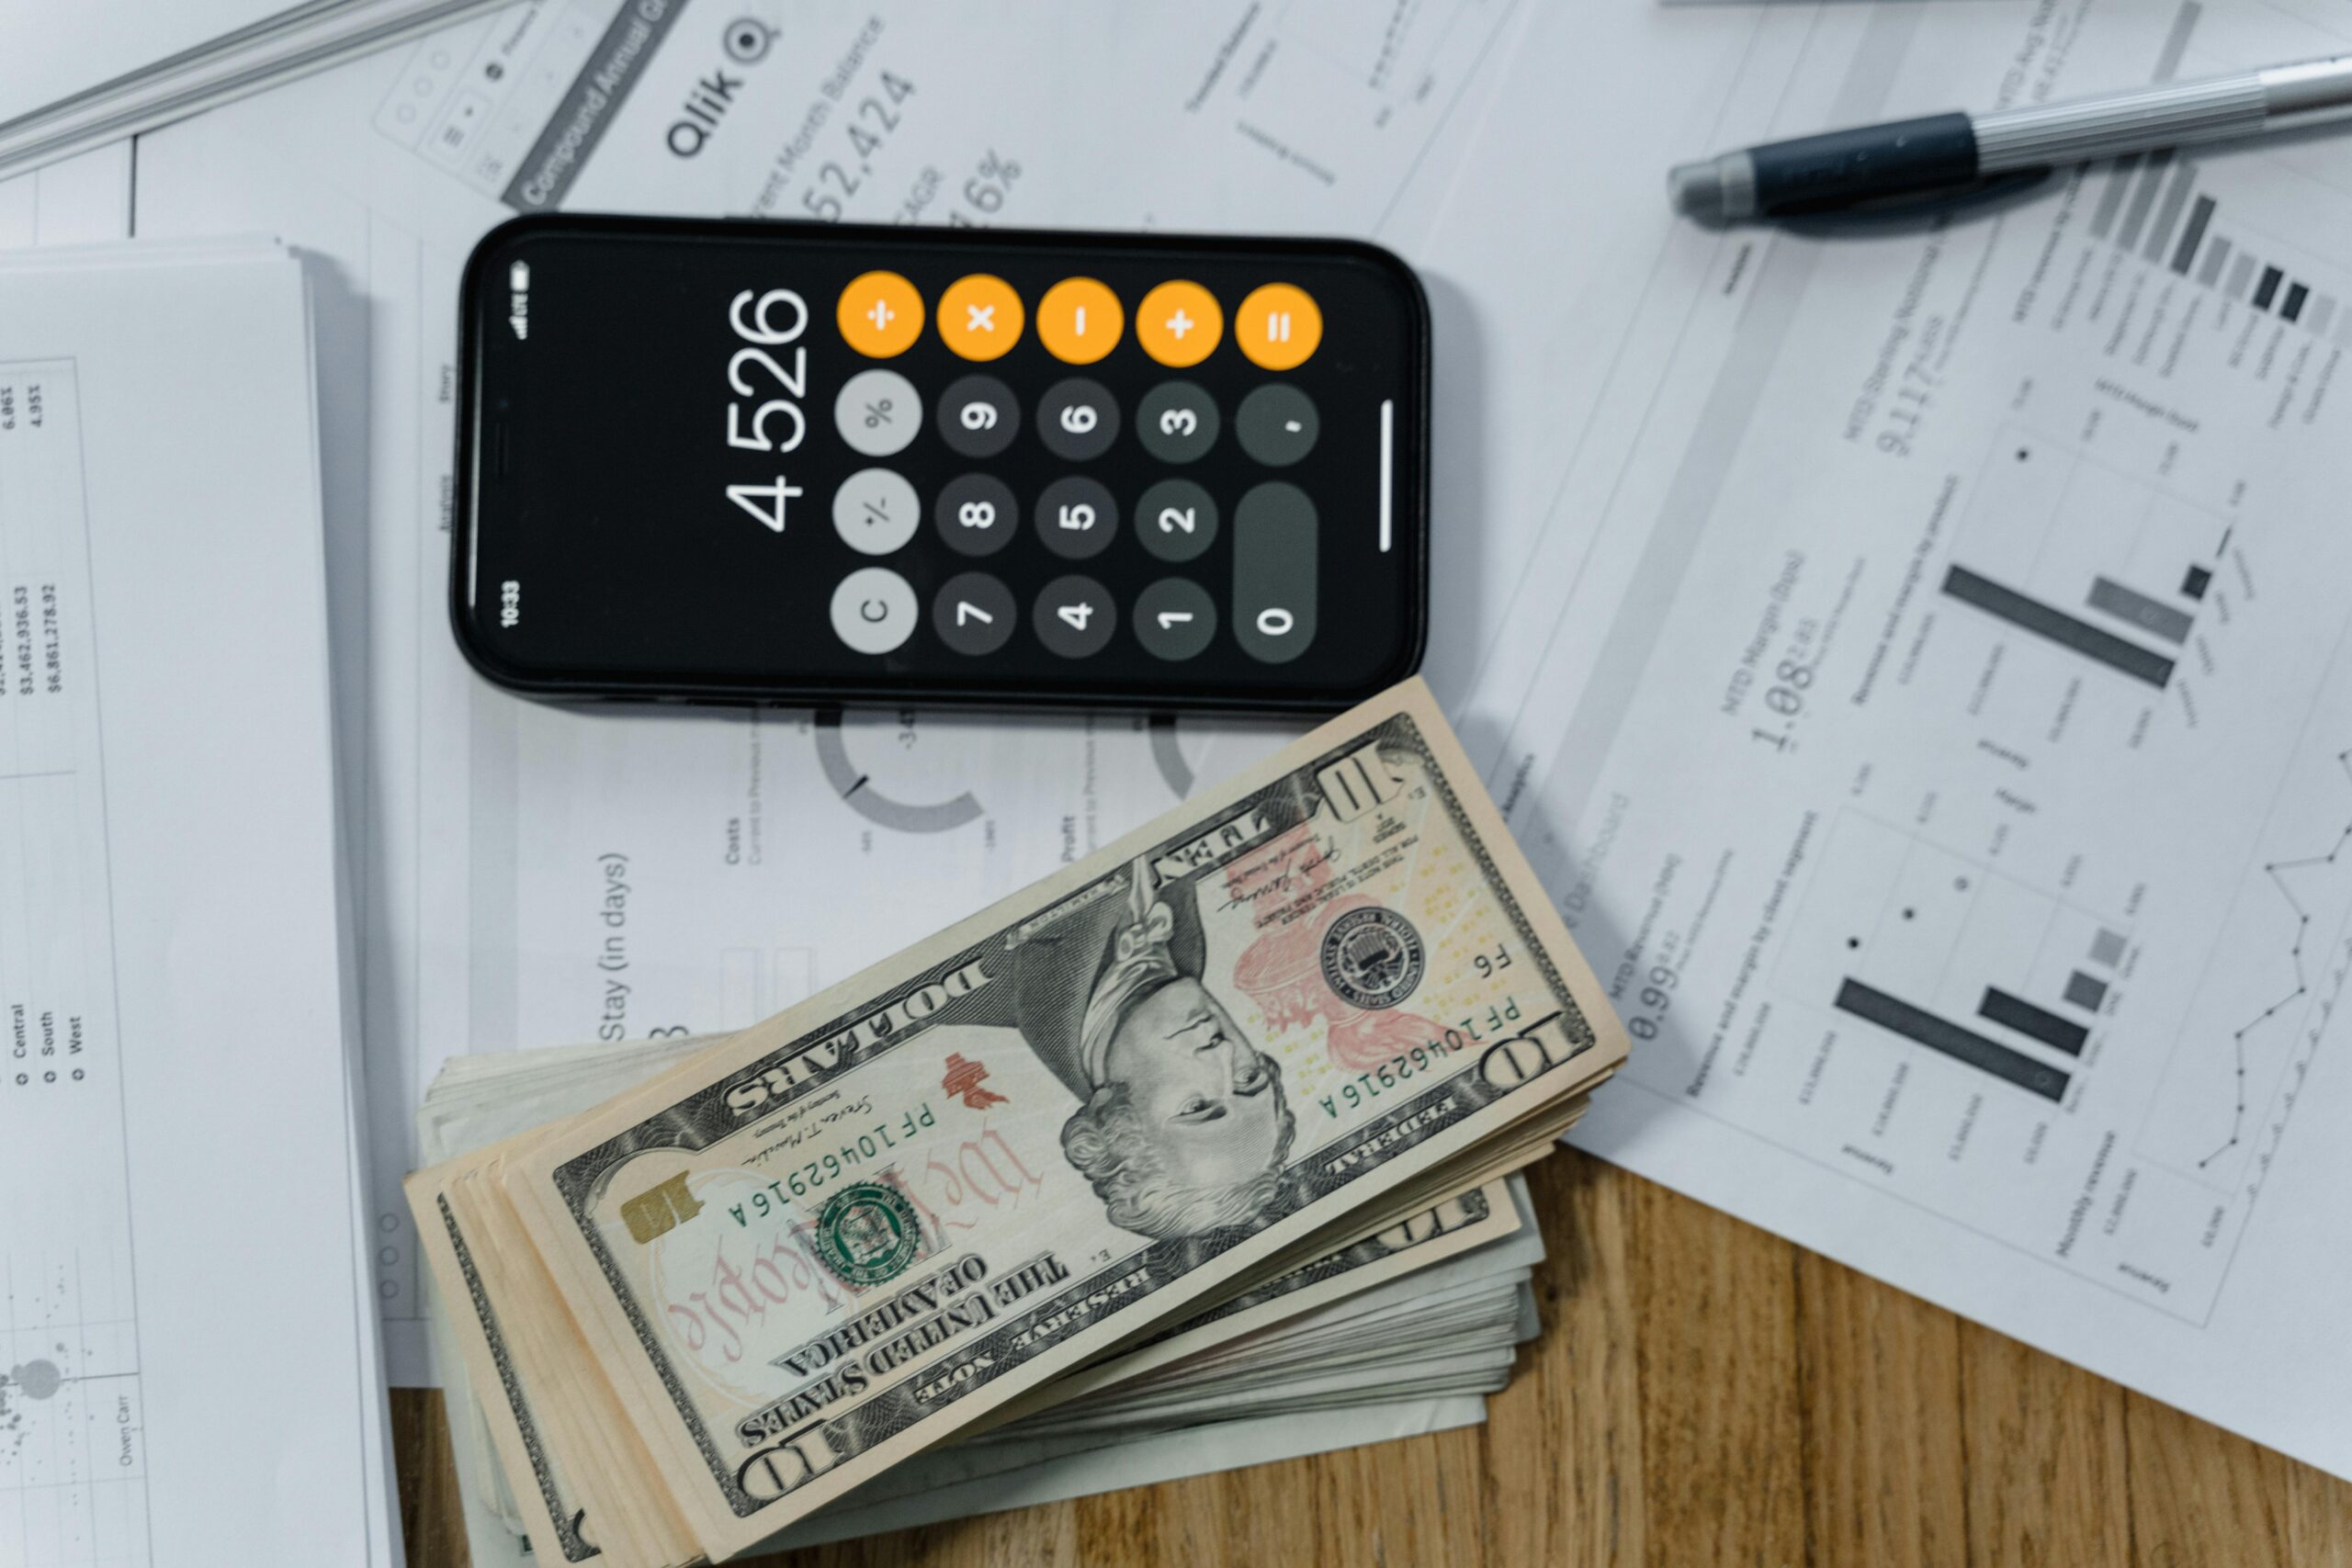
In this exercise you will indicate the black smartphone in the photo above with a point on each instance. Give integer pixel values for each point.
(738, 461)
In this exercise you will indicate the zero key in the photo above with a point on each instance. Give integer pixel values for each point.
(1273, 572)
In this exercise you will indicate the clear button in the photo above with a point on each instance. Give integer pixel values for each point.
(873, 610)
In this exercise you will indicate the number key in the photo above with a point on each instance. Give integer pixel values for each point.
(977, 416)
(1177, 422)
(1274, 529)
(975, 514)
(1076, 517)
(1075, 617)
(1176, 518)
(974, 613)
(1175, 619)
(1076, 419)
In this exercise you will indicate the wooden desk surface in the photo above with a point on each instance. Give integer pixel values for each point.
(1703, 1394)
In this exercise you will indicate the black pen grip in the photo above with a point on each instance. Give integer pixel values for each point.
(1839, 168)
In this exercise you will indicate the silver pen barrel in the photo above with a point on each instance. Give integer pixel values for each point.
(2172, 113)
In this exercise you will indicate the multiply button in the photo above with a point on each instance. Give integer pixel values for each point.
(873, 610)
(979, 317)
(1278, 327)
(1179, 324)
(1079, 320)
(977, 416)
(1076, 419)
(974, 613)
(1273, 573)
(1177, 422)
(880, 315)
(878, 412)
(875, 511)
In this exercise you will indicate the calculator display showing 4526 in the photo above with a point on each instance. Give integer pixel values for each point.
(773, 423)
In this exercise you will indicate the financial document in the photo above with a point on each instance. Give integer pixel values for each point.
(177, 1093)
(1928, 699)
(531, 873)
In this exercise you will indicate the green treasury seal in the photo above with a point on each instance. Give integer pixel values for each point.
(867, 1233)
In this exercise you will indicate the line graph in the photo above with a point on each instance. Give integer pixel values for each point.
(2248, 1038)
(2277, 871)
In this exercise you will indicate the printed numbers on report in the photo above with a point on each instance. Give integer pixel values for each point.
(1654, 999)
(985, 190)
(1785, 697)
(768, 322)
(30, 410)
(1903, 412)
(870, 125)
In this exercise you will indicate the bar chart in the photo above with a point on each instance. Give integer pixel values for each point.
(2111, 567)
(1938, 952)
(2149, 207)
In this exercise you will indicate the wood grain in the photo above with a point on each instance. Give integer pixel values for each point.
(1703, 1394)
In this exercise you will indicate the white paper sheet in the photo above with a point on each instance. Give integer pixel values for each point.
(98, 71)
(1928, 698)
(190, 1373)
(57, 52)
(517, 853)
(76, 202)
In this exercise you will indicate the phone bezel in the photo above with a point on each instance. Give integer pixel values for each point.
(472, 396)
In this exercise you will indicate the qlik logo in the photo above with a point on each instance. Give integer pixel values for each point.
(746, 41)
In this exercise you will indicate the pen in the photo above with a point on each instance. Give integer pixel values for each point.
(1941, 152)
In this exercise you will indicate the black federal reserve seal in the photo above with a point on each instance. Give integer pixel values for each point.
(867, 1233)
(1373, 958)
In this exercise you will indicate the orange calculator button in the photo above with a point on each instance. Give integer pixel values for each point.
(979, 317)
(1079, 320)
(880, 315)
(1179, 323)
(1278, 326)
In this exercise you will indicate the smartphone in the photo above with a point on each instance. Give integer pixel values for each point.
(747, 462)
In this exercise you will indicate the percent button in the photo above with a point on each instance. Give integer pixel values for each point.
(878, 412)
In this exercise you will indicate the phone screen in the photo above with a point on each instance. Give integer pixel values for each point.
(771, 461)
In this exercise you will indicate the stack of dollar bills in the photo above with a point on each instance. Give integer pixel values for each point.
(1194, 1144)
